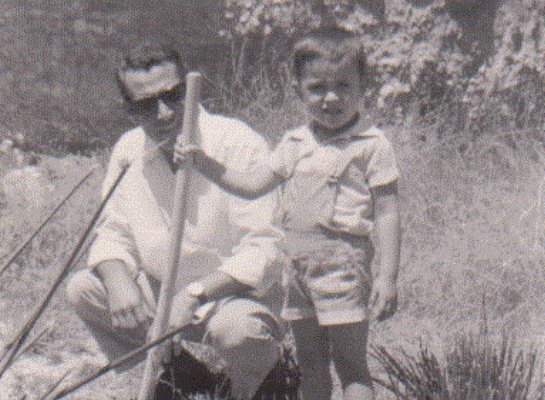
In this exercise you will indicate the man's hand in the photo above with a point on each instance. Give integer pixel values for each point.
(183, 309)
(127, 306)
(383, 300)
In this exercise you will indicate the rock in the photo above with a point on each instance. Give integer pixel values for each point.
(26, 186)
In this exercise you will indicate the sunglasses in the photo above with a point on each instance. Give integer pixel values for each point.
(150, 105)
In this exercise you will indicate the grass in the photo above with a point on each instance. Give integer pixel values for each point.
(472, 230)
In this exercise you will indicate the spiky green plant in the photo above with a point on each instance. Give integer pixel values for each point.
(475, 368)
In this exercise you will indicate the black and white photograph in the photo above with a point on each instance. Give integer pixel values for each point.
(272, 200)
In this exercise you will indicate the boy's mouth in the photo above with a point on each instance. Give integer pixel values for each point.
(333, 111)
(335, 128)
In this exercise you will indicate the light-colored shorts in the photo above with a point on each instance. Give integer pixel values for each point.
(332, 283)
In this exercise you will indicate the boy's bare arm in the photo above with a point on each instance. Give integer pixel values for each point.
(252, 184)
(384, 294)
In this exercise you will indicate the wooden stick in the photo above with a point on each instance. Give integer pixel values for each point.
(29, 239)
(183, 174)
(16, 344)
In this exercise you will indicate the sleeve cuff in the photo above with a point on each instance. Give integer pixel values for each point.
(384, 178)
(98, 254)
(246, 269)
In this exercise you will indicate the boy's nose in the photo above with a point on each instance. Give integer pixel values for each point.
(164, 112)
(330, 97)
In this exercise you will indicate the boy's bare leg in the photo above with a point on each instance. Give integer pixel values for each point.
(349, 352)
(312, 346)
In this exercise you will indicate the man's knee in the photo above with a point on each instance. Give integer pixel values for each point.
(240, 323)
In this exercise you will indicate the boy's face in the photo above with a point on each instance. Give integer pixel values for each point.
(331, 92)
(156, 105)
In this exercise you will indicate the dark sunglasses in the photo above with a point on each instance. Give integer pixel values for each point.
(150, 105)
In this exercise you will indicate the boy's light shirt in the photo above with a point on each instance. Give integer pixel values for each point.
(373, 165)
(222, 232)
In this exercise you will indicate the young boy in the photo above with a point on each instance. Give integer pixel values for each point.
(338, 179)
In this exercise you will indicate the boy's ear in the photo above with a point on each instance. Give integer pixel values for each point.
(297, 88)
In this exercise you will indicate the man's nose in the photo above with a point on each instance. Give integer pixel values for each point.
(164, 111)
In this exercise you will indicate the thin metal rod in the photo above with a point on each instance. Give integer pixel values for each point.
(117, 363)
(45, 221)
(44, 331)
(16, 344)
(56, 385)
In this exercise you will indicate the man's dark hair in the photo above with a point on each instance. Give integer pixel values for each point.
(335, 44)
(145, 56)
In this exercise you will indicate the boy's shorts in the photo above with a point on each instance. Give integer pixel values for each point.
(332, 283)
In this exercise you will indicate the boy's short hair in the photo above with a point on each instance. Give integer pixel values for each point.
(335, 44)
(144, 56)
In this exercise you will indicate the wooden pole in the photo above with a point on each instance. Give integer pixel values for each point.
(191, 108)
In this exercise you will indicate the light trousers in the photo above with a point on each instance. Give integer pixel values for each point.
(243, 331)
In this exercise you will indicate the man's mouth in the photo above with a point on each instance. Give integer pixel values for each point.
(166, 125)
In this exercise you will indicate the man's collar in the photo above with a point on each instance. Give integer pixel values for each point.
(151, 147)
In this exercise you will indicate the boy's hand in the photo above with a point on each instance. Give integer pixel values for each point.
(182, 151)
(383, 300)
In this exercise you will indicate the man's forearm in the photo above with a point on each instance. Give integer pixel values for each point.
(111, 272)
(219, 285)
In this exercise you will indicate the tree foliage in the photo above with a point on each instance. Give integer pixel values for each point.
(456, 65)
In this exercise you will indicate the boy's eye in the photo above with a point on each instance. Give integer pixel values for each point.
(317, 88)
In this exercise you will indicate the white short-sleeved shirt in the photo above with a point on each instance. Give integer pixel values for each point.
(222, 232)
(360, 159)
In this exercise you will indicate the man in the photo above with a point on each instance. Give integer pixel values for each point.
(228, 250)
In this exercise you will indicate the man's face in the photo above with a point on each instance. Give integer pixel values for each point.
(331, 92)
(156, 103)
